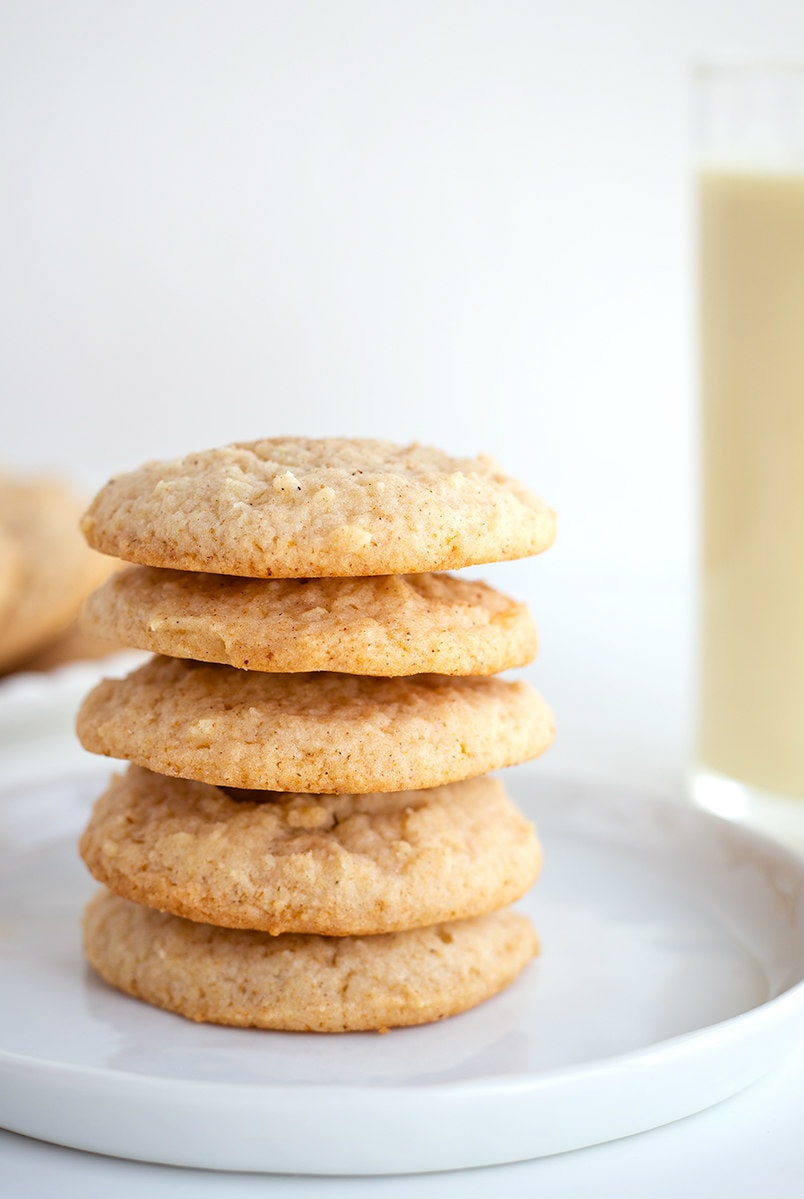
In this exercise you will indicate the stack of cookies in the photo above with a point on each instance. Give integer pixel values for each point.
(308, 835)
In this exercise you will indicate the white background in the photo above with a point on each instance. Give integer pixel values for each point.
(463, 222)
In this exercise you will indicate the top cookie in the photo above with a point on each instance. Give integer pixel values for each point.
(317, 508)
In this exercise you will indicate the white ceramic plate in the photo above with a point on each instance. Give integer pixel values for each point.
(671, 977)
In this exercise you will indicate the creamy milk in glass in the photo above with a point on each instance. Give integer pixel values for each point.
(751, 230)
(750, 216)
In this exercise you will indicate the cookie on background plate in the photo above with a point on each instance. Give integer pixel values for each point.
(10, 571)
(379, 625)
(316, 732)
(330, 864)
(52, 569)
(330, 507)
(71, 645)
(304, 983)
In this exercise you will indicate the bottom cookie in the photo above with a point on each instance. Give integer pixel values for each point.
(304, 982)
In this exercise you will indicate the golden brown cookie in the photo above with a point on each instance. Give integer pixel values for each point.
(330, 864)
(312, 732)
(55, 567)
(11, 573)
(304, 983)
(71, 645)
(303, 508)
(380, 625)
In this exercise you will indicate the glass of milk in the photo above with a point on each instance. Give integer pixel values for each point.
(750, 247)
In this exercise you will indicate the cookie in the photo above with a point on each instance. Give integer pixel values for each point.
(380, 625)
(329, 507)
(55, 569)
(303, 982)
(10, 571)
(71, 645)
(312, 732)
(330, 864)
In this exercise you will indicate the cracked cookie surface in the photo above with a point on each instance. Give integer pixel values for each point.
(317, 732)
(381, 625)
(327, 507)
(304, 983)
(336, 865)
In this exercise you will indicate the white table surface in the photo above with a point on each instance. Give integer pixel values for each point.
(751, 1145)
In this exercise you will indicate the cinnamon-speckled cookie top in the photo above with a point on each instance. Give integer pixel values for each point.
(299, 507)
(332, 864)
(304, 983)
(320, 732)
(380, 625)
